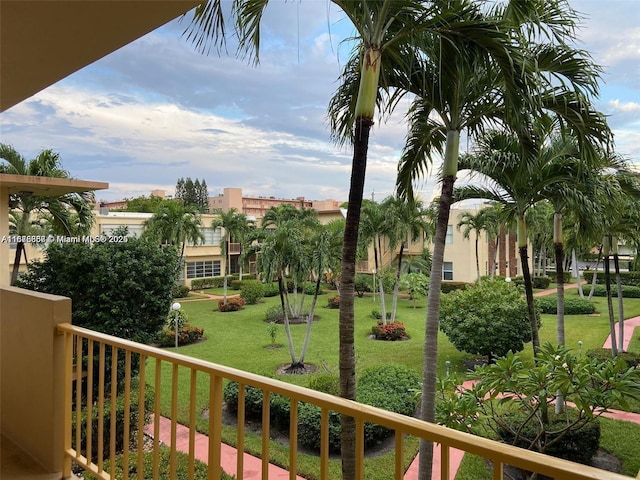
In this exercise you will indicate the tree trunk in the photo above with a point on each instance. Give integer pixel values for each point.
(396, 285)
(576, 272)
(287, 327)
(429, 379)
(312, 312)
(383, 301)
(528, 285)
(559, 254)
(477, 258)
(595, 272)
(16, 262)
(616, 265)
(607, 281)
(346, 323)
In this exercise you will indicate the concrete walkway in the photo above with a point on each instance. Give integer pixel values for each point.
(253, 465)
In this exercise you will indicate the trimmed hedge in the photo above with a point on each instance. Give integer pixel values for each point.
(572, 305)
(180, 291)
(233, 304)
(390, 331)
(218, 282)
(627, 278)
(449, 286)
(541, 283)
(631, 359)
(188, 334)
(252, 291)
(271, 289)
(628, 291)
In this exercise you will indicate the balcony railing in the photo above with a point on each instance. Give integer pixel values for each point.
(87, 365)
(234, 248)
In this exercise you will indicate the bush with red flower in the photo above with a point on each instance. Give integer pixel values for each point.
(233, 304)
(390, 331)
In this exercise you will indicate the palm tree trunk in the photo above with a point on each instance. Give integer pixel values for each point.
(607, 281)
(312, 311)
(595, 273)
(383, 303)
(477, 258)
(396, 285)
(559, 252)
(528, 284)
(16, 262)
(228, 269)
(616, 266)
(429, 380)
(287, 327)
(576, 272)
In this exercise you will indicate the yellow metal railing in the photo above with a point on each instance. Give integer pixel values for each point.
(84, 349)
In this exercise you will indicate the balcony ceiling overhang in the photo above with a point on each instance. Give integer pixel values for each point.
(48, 186)
(43, 41)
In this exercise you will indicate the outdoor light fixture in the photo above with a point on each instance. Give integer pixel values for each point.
(176, 308)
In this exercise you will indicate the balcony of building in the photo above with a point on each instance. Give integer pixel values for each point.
(45, 422)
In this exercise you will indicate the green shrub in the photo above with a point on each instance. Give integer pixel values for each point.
(627, 278)
(362, 284)
(310, 288)
(252, 400)
(106, 419)
(236, 284)
(390, 331)
(207, 282)
(628, 291)
(325, 382)
(252, 291)
(578, 445)
(333, 302)
(449, 286)
(233, 304)
(541, 283)
(271, 289)
(390, 387)
(377, 314)
(274, 314)
(180, 291)
(572, 305)
(630, 359)
(188, 334)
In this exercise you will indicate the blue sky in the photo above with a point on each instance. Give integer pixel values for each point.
(156, 110)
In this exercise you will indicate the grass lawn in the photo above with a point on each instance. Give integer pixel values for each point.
(239, 340)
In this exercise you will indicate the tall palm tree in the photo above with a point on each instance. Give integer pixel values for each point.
(235, 226)
(70, 214)
(404, 221)
(471, 92)
(470, 222)
(371, 229)
(174, 224)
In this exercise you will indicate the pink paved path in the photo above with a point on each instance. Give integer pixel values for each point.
(253, 465)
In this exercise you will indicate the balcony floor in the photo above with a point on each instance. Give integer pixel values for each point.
(17, 465)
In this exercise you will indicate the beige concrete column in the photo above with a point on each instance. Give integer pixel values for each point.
(4, 231)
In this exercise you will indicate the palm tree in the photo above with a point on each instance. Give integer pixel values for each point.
(70, 214)
(404, 220)
(371, 229)
(174, 224)
(470, 222)
(236, 226)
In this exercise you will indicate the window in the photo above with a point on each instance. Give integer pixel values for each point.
(447, 270)
(132, 230)
(202, 269)
(449, 238)
(212, 236)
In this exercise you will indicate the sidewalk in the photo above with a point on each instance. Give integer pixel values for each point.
(253, 465)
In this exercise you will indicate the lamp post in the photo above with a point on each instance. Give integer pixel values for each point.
(176, 308)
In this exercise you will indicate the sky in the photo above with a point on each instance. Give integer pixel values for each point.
(157, 110)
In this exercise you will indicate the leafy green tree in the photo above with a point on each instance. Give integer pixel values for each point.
(70, 214)
(143, 204)
(488, 318)
(468, 223)
(417, 284)
(527, 390)
(133, 281)
(192, 193)
(370, 231)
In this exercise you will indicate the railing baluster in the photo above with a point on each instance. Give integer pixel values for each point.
(112, 412)
(266, 428)
(127, 414)
(174, 420)
(78, 406)
(498, 470)
(101, 373)
(324, 444)
(399, 454)
(141, 412)
(89, 423)
(192, 424)
(293, 438)
(215, 426)
(445, 461)
(156, 419)
(240, 425)
(359, 449)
